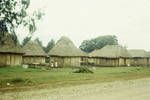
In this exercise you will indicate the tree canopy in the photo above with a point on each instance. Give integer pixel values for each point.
(49, 46)
(26, 40)
(98, 43)
(13, 13)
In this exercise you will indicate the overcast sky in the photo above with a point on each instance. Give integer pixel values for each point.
(129, 20)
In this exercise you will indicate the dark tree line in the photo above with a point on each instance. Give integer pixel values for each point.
(98, 43)
(49, 46)
(46, 48)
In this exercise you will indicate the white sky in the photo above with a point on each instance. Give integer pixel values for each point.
(129, 20)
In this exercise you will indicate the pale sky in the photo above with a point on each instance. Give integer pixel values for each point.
(129, 20)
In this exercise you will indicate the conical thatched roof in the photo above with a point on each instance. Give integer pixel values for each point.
(32, 48)
(138, 53)
(110, 51)
(7, 45)
(65, 47)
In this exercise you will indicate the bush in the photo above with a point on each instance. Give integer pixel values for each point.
(18, 80)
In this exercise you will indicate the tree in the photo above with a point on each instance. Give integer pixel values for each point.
(49, 46)
(26, 40)
(98, 43)
(87, 45)
(15, 38)
(3, 35)
(14, 13)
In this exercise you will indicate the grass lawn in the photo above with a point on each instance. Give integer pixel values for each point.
(21, 79)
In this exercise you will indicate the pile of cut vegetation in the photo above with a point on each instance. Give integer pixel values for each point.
(83, 70)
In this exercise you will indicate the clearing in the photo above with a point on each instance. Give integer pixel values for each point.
(19, 79)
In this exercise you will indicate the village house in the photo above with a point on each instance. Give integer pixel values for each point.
(110, 55)
(10, 53)
(139, 57)
(34, 54)
(65, 53)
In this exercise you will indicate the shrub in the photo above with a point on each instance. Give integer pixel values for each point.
(18, 80)
(21, 81)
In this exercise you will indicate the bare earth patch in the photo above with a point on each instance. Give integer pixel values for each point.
(120, 90)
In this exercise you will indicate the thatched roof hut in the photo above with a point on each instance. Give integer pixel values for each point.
(110, 55)
(12, 49)
(139, 57)
(65, 53)
(110, 51)
(10, 53)
(139, 53)
(65, 47)
(33, 53)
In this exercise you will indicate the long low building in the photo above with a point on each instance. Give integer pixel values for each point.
(139, 57)
(65, 53)
(110, 55)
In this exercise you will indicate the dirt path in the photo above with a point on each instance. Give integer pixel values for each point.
(120, 90)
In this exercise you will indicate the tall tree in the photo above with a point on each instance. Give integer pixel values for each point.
(13, 13)
(3, 31)
(98, 43)
(49, 46)
(15, 38)
(26, 40)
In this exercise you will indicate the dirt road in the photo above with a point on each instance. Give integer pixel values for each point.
(121, 90)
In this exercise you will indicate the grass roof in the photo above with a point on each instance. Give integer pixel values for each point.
(138, 53)
(32, 48)
(65, 47)
(110, 51)
(7, 45)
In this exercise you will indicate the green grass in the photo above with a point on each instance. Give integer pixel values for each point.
(38, 78)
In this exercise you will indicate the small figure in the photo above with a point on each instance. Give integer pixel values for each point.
(56, 64)
(52, 65)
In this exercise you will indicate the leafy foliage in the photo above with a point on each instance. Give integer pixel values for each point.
(15, 38)
(25, 40)
(3, 27)
(49, 46)
(14, 13)
(5, 36)
(98, 43)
